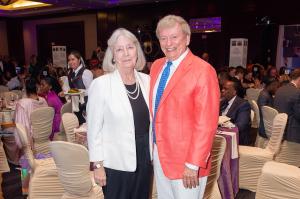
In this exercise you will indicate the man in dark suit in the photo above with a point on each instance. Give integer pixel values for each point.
(265, 98)
(287, 100)
(237, 109)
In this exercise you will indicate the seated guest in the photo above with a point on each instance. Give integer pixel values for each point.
(237, 109)
(287, 100)
(231, 71)
(48, 91)
(25, 106)
(96, 68)
(17, 82)
(223, 76)
(248, 80)
(265, 98)
(257, 82)
(284, 79)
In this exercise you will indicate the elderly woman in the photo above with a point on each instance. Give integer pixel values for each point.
(80, 78)
(119, 122)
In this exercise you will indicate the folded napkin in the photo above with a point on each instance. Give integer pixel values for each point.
(234, 146)
(76, 100)
(223, 119)
(228, 124)
(65, 82)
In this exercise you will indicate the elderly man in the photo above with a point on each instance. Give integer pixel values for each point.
(184, 102)
(287, 100)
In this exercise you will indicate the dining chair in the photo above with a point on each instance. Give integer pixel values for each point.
(211, 190)
(268, 115)
(61, 135)
(44, 182)
(3, 166)
(218, 149)
(41, 120)
(252, 159)
(289, 153)
(74, 171)
(70, 122)
(252, 94)
(278, 181)
(3, 159)
(256, 119)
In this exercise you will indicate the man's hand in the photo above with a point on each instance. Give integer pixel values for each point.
(190, 178)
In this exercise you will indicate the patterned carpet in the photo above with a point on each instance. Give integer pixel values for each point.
(245, 194)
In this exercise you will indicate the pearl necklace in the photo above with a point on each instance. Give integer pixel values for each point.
(136, 92)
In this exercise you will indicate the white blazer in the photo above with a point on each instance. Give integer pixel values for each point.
(111, 133)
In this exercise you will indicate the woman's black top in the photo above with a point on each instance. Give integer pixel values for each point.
(140, 110)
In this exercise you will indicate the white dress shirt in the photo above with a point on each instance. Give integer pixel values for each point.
(13, 83)
(173, 68)
(228, 106)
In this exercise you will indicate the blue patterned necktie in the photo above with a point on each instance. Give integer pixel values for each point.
(160, 89)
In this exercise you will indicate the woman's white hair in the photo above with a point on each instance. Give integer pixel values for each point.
(109, 64)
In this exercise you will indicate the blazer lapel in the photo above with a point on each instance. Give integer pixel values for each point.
(120, 90)
(182, 69)
(233, 107)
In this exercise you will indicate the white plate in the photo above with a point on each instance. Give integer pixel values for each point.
(74, 94)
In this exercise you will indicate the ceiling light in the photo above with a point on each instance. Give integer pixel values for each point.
(7, 2)
(23, 4)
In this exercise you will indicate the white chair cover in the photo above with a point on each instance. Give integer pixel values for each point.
(3, 160)
(278, 181)
(70, 121)
(252, 159)
(256, 119)
(289, 153)
(61, 135)
(212, 190)
(41, 123)
(74, 171)
(44, 182)
(252, 94)
(268, 114)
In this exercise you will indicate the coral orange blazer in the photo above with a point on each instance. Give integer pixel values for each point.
(187, 116)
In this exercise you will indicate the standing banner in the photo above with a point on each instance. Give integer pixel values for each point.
(238, 52)
(59, 56)
(288, 46)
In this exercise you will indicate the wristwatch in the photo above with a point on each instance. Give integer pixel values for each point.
(97, 165)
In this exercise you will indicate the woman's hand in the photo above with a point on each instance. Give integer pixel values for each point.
(100, 176)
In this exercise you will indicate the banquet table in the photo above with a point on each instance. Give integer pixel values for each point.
(229, 176)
